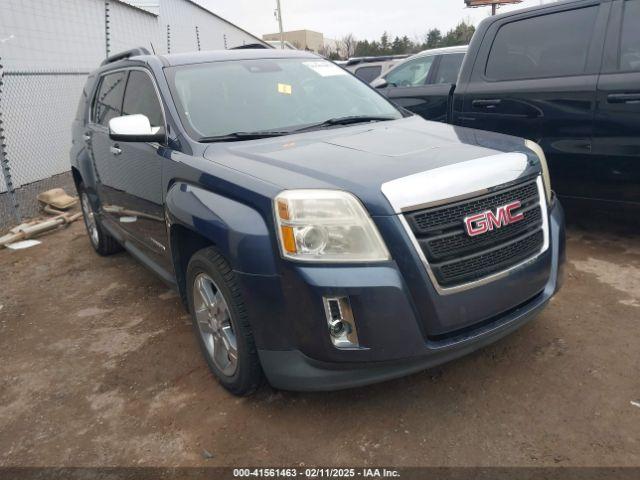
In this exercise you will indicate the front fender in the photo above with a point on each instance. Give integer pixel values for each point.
(238, 231)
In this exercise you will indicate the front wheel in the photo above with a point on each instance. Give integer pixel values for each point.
(221, 324)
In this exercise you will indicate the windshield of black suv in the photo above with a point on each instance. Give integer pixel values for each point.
(277, 96)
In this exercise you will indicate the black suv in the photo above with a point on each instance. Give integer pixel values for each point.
(566, 75)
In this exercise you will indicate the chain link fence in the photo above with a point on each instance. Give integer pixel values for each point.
(47, 48)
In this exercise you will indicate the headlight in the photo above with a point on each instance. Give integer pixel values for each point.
(546, 178)
(326, 226)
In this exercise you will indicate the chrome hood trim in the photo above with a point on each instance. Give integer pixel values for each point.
(455, 182)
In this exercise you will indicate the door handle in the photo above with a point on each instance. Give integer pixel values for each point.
(623, 98)
(86, 137)
(486, 102)
(115, 150)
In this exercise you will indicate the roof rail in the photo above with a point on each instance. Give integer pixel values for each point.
(134, 52)
(381, 58)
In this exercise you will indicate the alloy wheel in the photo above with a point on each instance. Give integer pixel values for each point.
(214, 324)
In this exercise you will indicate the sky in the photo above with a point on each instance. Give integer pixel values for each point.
(366, 19)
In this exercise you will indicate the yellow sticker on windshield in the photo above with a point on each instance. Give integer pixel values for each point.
(284, 89)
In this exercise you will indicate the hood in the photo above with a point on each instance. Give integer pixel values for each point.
(361, 158)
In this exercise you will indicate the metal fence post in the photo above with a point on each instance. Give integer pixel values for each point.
(107, 32)
(4, 161)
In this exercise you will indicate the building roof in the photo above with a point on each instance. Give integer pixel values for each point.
(140, 5)
(304, 30)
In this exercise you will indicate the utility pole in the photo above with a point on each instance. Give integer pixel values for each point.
(279, 14)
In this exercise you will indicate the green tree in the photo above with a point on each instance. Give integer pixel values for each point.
(385, 47)
(460, 35)
(434, 39)
(396, 46)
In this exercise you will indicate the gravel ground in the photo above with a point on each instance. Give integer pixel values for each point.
(99, 367)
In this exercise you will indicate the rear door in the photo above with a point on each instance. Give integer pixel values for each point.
(615, 169)
(535, 76)
(107, 104)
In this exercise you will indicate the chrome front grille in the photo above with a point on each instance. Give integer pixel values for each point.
(454, 258)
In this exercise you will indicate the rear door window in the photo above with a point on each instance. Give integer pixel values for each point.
(552, 45)
(141, 98)
(108, 101)
(411, 73)
(630, 39)
(368, 74)
(449, 68)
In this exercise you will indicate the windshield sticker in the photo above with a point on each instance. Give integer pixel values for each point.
(325, 69)
(284, 89)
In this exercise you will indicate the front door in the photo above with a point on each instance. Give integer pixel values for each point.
(408, 86)
(537, 80)
(616, 148)
(137, 196)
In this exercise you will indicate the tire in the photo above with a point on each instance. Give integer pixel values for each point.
(101, 241)
(221, 323)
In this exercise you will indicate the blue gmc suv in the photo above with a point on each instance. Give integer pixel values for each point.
(318, 235)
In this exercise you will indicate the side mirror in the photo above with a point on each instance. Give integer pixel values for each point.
(135, 128)
(379, 83)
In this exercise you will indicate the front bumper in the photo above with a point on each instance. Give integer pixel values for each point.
(293, 370)
(399, 326)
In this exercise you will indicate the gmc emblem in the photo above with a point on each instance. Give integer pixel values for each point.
(484, 222)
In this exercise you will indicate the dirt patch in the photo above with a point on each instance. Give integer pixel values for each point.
(99, 367)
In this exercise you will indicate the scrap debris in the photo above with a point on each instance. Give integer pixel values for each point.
(53, 202)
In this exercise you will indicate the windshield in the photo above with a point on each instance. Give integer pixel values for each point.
(222, 98)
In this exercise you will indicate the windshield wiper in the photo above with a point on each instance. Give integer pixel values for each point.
(239, 136)
(344, 121)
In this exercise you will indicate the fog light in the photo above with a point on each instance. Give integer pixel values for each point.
(342, 327)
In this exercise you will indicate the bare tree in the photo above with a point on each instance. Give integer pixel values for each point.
(325, 51)
(348, 44)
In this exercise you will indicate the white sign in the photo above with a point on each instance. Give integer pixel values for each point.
(325, 69)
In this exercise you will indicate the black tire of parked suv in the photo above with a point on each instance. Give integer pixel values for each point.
(100, 240)
(248, 376)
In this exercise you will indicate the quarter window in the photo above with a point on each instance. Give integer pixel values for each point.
(552, 45)
(108, 101)
(141, 98)
(412, 73)
(630, 40)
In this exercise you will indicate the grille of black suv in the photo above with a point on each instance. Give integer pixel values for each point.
(456, 258)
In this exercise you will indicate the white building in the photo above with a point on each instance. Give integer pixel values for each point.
(48, 46)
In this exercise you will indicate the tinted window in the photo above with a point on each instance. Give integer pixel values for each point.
(552, 45)
(108, 102)
(141, 97)
(630, 41)
(368, 74)
(84, 99)
(411, 73)
(449, 68)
